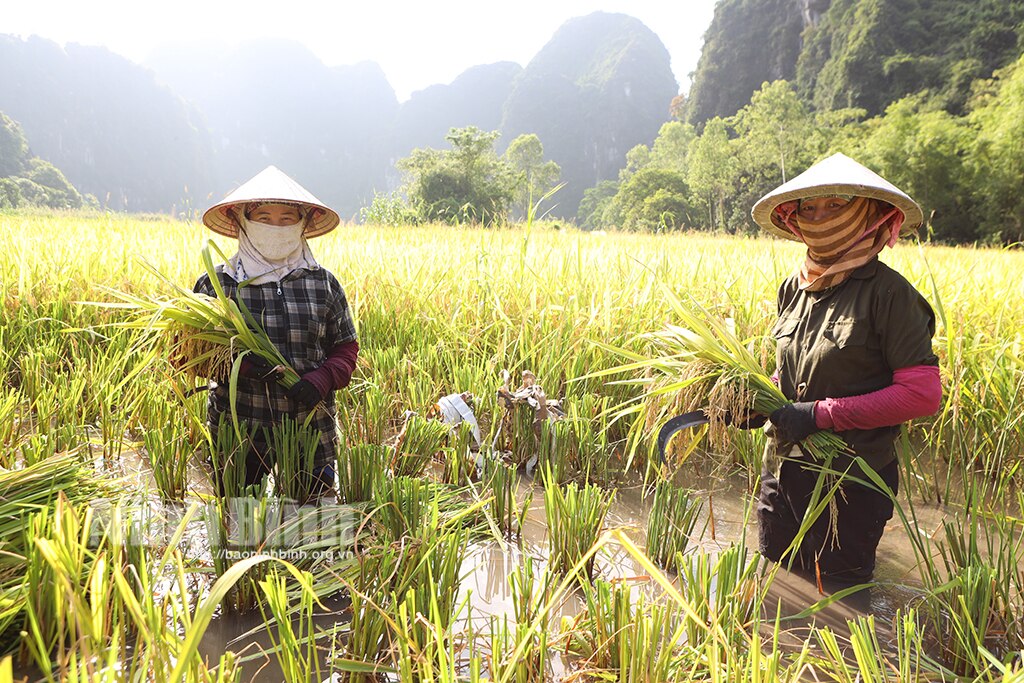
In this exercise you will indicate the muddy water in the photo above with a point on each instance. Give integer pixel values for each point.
(489, 565)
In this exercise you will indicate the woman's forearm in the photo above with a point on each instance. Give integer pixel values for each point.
(914, 392)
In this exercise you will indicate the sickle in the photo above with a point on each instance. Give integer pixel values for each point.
(694, 418)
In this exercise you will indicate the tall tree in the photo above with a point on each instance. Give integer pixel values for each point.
(712, 169)
(467, 183)
(534, 176)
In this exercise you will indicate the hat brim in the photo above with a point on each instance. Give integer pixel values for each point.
(270, 185)
(837, 175)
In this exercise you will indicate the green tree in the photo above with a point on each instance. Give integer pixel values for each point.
(997, 161)
(922, 149)
(598, 209)
(774, 130)
(534, 177)
(13, 147)
(467, 183)
(58, 193)
(672, 146)
(712, 170)
(655, 199)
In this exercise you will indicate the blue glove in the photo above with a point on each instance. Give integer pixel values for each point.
(794, 422)
(305, 393)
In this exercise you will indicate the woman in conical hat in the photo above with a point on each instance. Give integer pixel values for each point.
(854, 355)
(300, 305)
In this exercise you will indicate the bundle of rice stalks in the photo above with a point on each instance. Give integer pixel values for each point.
(207, 336)
(701, 363)
(32, 490)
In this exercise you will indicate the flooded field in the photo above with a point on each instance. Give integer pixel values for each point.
(558, 548)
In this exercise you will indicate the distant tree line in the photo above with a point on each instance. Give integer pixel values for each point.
(966, 170)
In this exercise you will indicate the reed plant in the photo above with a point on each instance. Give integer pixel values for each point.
(671, 522)
(575, 518)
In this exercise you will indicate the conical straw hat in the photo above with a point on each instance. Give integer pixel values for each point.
(270, 185)
(836, 175)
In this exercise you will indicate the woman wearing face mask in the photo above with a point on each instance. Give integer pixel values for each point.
(854, 355)
(299, 304)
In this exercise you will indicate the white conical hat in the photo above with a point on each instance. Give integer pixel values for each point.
(269, 185)
(836, 175)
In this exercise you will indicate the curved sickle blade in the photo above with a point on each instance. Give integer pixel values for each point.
(678, 423)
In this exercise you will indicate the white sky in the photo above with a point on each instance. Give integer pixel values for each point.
(416, 43)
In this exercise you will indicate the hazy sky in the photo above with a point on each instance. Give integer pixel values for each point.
(416, 43)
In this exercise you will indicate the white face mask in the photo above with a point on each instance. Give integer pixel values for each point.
(275, 242)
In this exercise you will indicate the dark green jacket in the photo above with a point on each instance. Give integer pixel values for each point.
(848, 340)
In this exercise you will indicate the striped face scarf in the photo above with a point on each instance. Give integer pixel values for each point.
(845, 241)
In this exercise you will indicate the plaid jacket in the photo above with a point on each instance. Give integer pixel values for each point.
(305, 316)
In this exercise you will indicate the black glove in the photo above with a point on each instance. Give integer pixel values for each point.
(305, 393)
(744, 420)
(257, 369)
(794, 422)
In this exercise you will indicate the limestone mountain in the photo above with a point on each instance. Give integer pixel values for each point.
(275, 102)
(600, 86)
(106, 123)
(853, 53)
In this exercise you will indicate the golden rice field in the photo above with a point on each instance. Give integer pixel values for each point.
(93, 412)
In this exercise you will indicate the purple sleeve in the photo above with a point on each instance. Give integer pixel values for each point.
(336, 371)
(915, 392)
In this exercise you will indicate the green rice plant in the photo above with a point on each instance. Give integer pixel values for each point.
(367, 639)
(419, 442)
(505, 508)
(588, 421)
(722, 595)
(555, 455)
(671, 522)
(519, 652)
(74, 617)
(872, 662)
(295, 643)
(429, 652)
(10, 422)
(403, 503)
(575, 517)
(294, 447)
(365, 413)
(359, 470)
(617, 635)
(168, 448)
(36, 489)
(229, 450)
(459, 461)
(238, 528)
(55, 432)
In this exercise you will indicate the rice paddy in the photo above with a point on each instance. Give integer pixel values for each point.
(559, 549)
